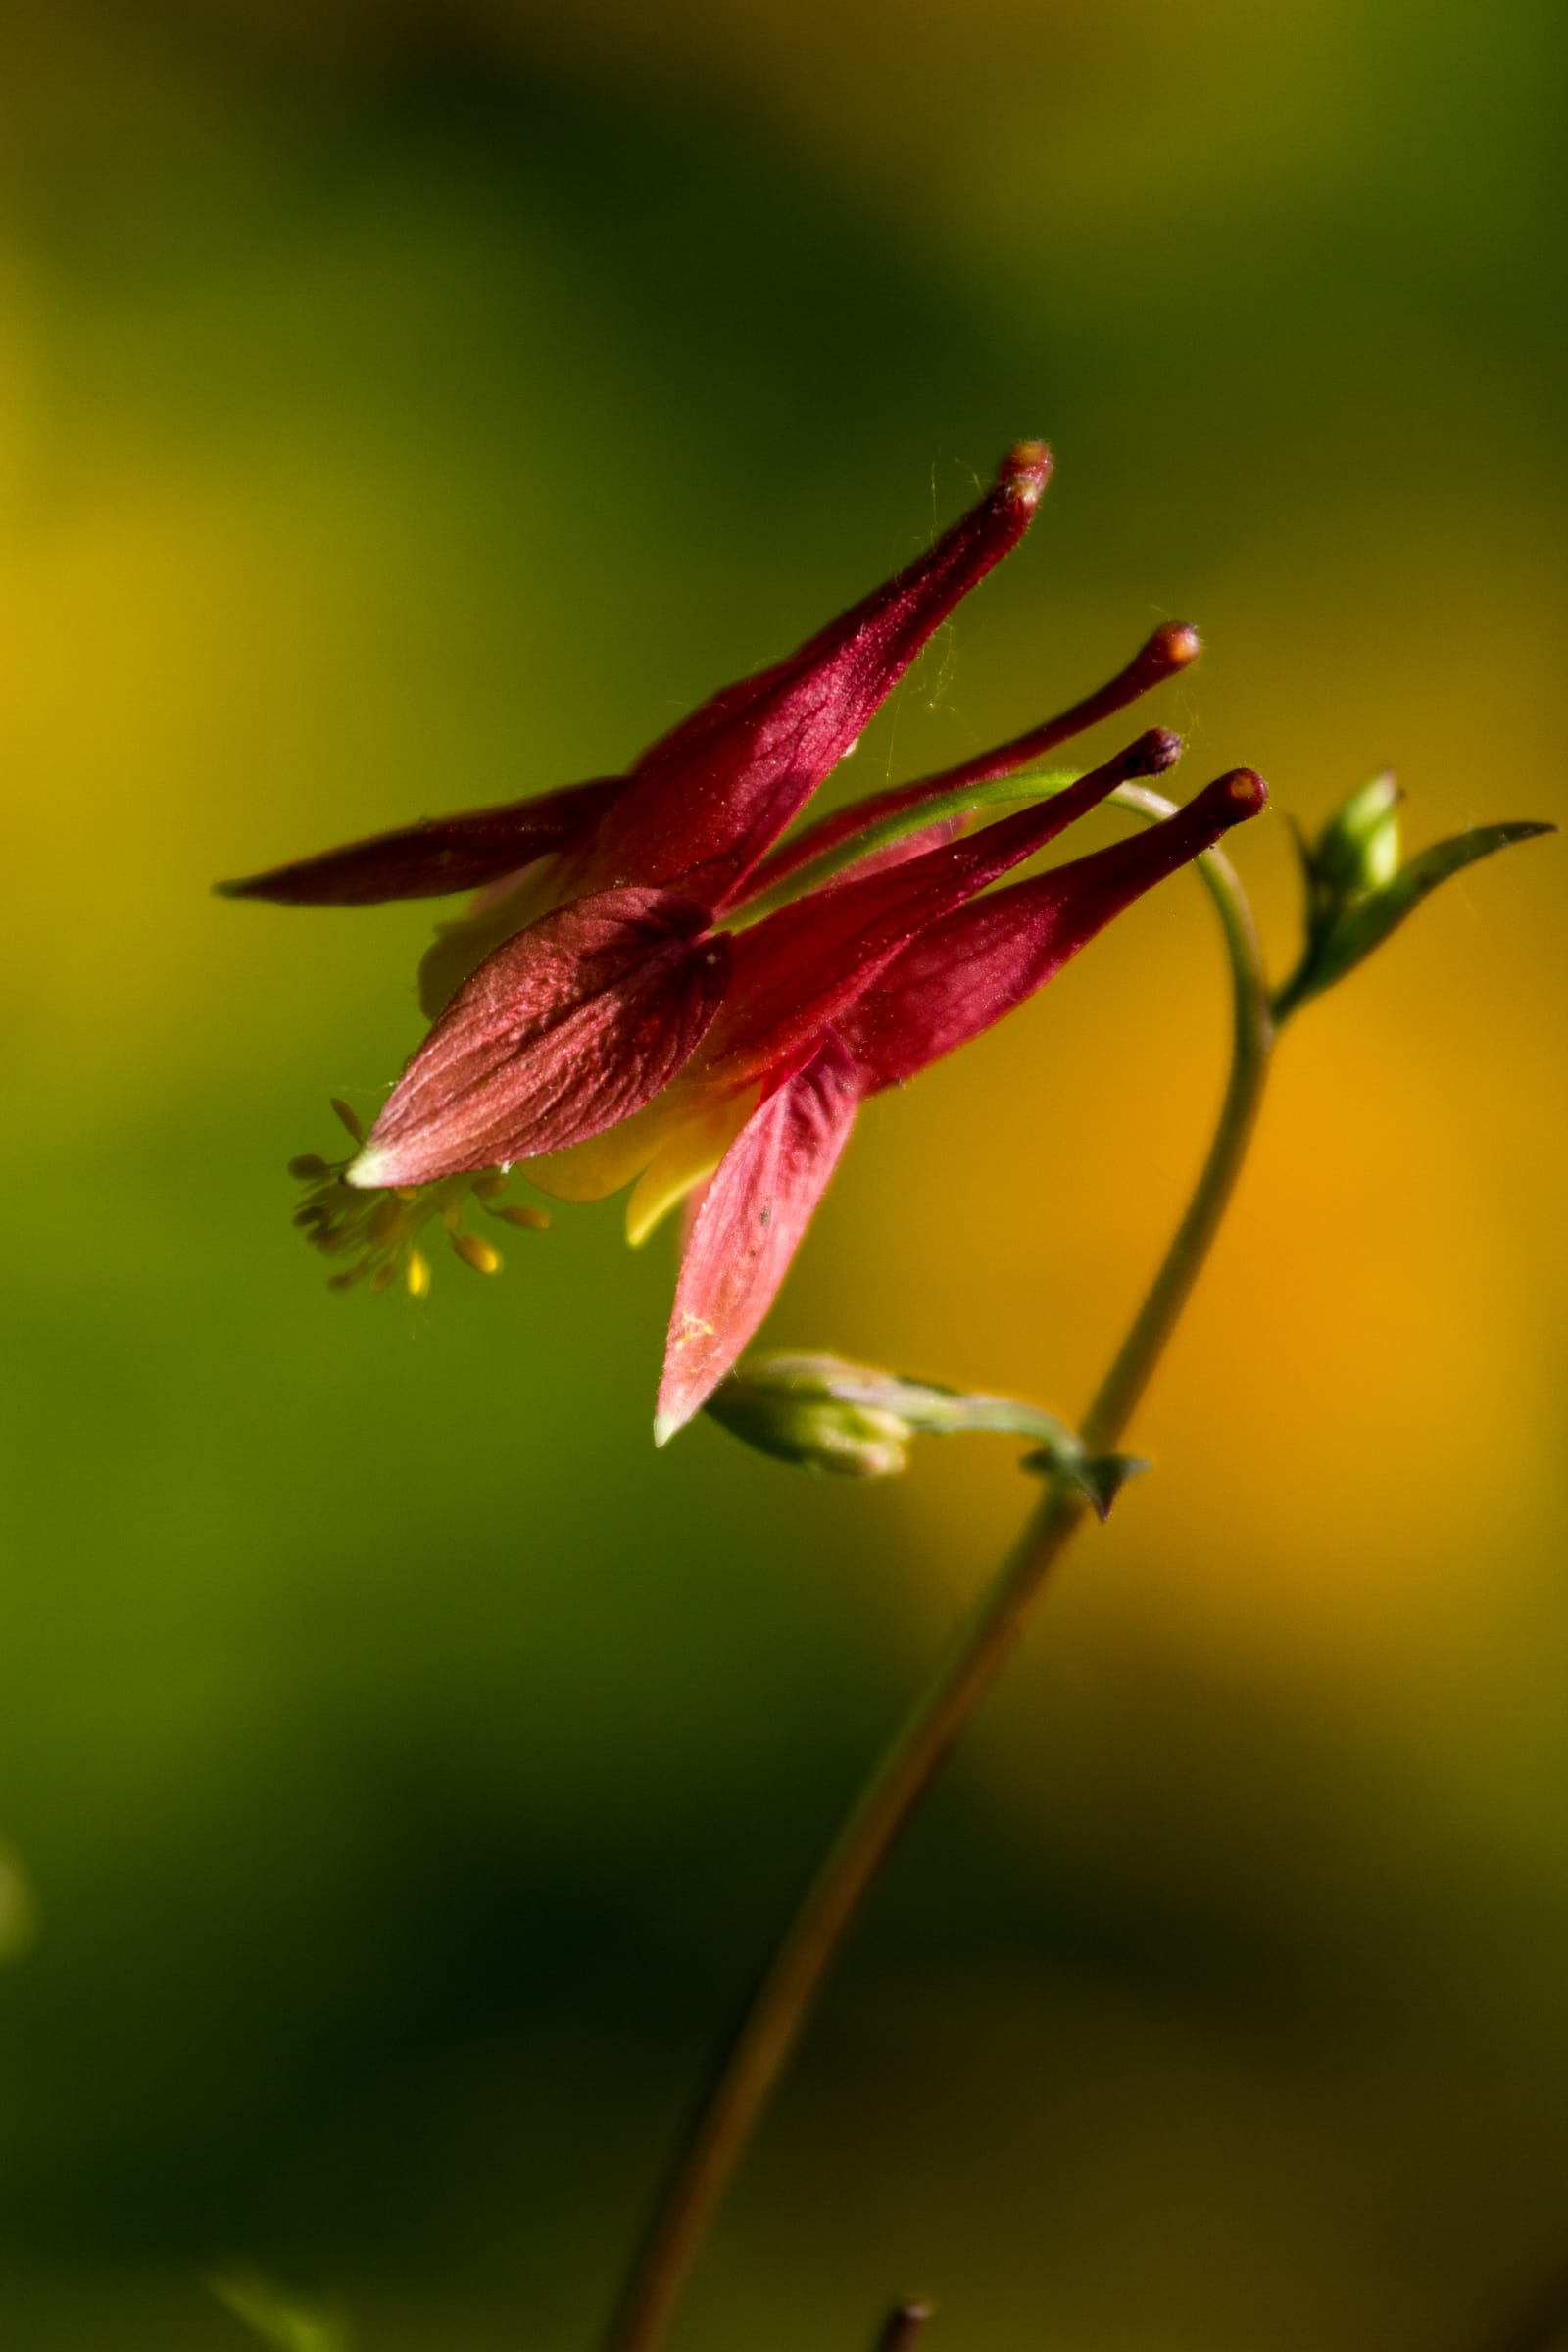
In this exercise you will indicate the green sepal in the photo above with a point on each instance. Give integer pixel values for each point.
(1342, 932)
(818, 1413)
(1357, 851)
(278, 2316)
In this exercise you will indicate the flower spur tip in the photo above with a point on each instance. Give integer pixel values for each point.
(1024, 472)
(1174, 647)
(1243, 789)
(1153, 754)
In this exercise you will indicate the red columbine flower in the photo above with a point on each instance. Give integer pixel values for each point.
(959, 968)
(617, 1004)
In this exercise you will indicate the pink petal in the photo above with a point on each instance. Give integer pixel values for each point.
(1170, 648)
(798, 969)
(752, 1215)
(708, 799)
(566, 1029)
(438, 855)
(978, 963)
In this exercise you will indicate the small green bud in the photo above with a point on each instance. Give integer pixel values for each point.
(787, 1407)
(821, 1413)
(1357, 892)
(1359, 848)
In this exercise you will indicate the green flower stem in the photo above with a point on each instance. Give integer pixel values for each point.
(1252, 1046)
(773, 2023)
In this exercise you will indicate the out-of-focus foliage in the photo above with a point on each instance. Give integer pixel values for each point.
(278, 2316)
(19, 1909)
(401, 406)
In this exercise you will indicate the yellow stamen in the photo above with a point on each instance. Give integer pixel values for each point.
(476, 1253)
(372, 1230)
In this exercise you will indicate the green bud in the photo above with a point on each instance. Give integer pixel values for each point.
(821, 1413)
(787, 1407)
(1359, 848)
(1358, 893)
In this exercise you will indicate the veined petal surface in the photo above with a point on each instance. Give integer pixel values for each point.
(565, 1030)
(752, 1215)
(711, 796)
(800, 968)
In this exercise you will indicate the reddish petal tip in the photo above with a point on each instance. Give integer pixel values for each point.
(1025, 472)
(1153, 752)
(666, 1426)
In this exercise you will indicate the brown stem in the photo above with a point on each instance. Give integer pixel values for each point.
(904, 2323)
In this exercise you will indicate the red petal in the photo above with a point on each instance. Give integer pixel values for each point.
(438, 855)
(798, 969)
(706, 801)
(1170, 648)
(832, 832)
(753, 1213)
(983, 960)
(569, 1027)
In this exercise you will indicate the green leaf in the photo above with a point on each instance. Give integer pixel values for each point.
(1367, 922)
(289, 2321)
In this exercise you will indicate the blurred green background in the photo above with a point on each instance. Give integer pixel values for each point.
(403, 407)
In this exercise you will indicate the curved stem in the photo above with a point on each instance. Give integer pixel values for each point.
(773, 2023)
(1252, 1046)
